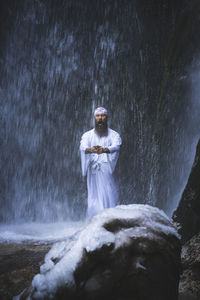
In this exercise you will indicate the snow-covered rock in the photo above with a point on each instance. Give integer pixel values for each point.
(126, 252)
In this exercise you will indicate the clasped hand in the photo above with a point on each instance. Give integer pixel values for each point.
(97, 149)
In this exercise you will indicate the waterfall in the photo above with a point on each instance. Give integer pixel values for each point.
(59, 60)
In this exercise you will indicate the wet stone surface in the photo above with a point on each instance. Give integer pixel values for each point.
(18, 264)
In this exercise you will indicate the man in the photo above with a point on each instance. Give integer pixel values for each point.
(99, 153)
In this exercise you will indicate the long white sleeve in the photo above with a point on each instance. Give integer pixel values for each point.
(116, 142)
(114, 151)
(85, 158)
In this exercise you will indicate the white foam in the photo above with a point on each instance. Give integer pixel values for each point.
(38, 232)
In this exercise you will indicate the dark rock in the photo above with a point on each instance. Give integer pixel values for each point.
(189, 287)
(18, 264)
(125, 253)
(187, 215)
(188, 212)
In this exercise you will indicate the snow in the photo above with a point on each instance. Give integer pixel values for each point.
(148, 221)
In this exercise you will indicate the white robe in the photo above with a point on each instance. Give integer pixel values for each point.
(101, 185)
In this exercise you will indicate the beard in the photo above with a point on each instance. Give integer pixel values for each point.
(101, 126)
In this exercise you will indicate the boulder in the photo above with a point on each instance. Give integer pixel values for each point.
(187, 214)
(130, 252)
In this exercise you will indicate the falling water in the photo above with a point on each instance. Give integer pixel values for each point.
(59, 60)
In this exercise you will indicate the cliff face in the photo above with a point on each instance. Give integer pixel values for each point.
(187, 215)
(188, 212)
(189, 287)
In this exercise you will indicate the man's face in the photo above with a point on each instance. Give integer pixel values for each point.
(101, 121)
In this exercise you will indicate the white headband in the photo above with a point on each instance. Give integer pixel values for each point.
(101, 110)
